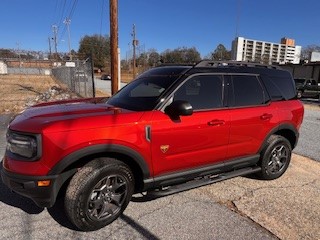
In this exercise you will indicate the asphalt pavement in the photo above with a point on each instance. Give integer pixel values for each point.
(105, 85)
(308, 144)
(4, 120)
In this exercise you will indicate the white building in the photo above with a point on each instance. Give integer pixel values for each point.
(3, 68)
(265, 52)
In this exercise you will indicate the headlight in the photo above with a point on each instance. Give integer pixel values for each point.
(25, 146)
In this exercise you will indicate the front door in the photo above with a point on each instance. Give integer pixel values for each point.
(192, 141)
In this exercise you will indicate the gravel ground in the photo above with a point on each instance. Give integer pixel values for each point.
(308, 144)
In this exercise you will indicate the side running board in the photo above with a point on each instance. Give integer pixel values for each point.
(198, 182)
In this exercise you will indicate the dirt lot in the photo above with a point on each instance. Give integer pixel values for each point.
(19, 91)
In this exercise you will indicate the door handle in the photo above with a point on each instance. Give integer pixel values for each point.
(266, 116)
(216, 122)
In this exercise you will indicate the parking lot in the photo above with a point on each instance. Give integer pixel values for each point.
(240, 208)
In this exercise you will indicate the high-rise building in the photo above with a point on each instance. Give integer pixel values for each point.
(265, 52)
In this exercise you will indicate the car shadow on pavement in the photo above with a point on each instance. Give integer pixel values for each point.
(142, 230)
(13, 199)
(58, 214)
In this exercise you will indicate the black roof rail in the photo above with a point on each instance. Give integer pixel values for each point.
(210, 63)
(175, 64)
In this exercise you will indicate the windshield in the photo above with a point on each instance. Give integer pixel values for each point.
(144, 93)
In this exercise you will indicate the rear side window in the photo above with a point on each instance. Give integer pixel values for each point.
(246, 90)
(280, 86)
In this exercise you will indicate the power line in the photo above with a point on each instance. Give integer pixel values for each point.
(101, 17)
(69, 17)
(62, 13)
(55, 10)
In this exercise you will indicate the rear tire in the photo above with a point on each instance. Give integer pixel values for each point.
(98, 193)
(275, 157)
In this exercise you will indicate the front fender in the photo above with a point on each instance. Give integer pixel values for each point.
(97, 149)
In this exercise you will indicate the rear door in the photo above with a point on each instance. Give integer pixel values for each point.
(252, 115)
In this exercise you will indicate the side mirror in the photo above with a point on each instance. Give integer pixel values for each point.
(179, 108)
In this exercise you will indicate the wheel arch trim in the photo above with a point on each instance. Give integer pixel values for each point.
(280, 127)
(97, 149)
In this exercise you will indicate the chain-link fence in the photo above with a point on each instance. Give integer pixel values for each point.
(78, 76)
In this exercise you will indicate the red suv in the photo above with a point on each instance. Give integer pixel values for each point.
(172, 129)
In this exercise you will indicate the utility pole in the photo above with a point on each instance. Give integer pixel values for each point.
(49, 40)
(67, 21)
(20, 64)
(114, 46)
(134, 44)
(55, 32)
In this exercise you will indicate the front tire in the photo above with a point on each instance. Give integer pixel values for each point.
(275, 157)
(98, 193)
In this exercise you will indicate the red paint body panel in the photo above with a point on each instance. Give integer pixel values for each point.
(191, 142)
(249, 127)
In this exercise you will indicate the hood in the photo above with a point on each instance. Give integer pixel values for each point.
(72, 115)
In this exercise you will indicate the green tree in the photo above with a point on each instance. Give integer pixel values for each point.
(153, 57)
(169, 56)
(98, 46)
(220, 53)
(142, 60)
(191, 55)
(181, 55)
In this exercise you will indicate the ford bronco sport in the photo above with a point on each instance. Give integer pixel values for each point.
(174, 128)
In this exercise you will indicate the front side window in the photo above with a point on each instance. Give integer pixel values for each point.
(202, 92)
(144, 93)
(247, 91)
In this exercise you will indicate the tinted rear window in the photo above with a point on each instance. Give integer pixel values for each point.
(280, 86)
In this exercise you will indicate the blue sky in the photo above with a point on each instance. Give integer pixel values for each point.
(161, 24)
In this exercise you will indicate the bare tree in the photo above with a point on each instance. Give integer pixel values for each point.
(306, 51)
